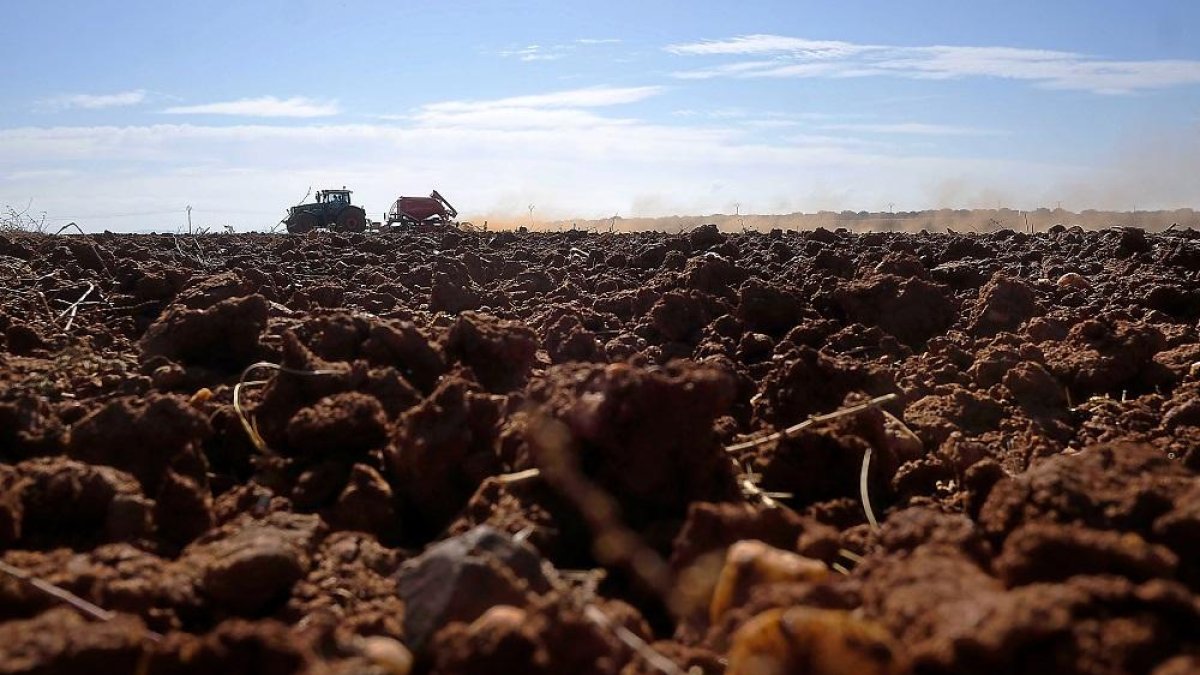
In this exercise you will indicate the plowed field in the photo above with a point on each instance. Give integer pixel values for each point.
(549, 453)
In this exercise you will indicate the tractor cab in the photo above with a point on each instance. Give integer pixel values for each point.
(333, 197)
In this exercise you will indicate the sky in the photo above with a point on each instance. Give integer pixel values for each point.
(121, 115)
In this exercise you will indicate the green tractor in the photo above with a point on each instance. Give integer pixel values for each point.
(332, 210)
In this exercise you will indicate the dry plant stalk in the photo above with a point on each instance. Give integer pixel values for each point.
(747, 481)
(791, 431)
(903, 427)
(73, 308)
(863, 492)
(597, 616)
(850, 555)
(68, 226)
(519, 476)
(613, 543)
(247, 421)
(748, 484)
(46, 306)
(631, 640)
(58, 593)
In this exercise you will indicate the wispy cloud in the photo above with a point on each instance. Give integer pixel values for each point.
(265, 106)
(738, 69)
(799, 57)
(537, 52)
(771, 44)
(911, 128)
(553, 52)
(93, 101)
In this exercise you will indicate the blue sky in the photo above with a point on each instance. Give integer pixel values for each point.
(120, 116)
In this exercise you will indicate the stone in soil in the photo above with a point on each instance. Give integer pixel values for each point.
(248, 567)
(460, 578)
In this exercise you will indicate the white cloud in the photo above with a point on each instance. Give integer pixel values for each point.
(567, 152)
(93, 101)
(588, 97)
(816, 69)
(798, 57)
(265, 106)
(567, 161)
(562, 110)
(512, 118)
(598, 41)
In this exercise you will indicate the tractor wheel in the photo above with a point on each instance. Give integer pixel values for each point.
(302, 223)
(352, 219)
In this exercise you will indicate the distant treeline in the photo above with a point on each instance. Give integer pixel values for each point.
(959, 220)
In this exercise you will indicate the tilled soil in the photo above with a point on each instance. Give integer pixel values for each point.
(523, 452)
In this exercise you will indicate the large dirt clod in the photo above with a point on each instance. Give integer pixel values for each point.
(224, 335)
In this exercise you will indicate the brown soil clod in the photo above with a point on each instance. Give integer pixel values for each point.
(225, 335)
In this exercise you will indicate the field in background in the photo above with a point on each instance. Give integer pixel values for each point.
(962, 220)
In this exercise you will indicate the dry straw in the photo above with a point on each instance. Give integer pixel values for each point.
(58, 593)
(247, 421)
(748, 481)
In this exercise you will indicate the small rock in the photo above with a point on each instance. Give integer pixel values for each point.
(813, 641)
(253, 568)
(1074, 280)
(750, 563)
(389, 654)
(462, 577)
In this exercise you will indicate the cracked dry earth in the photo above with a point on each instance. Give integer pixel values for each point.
(510, 453)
